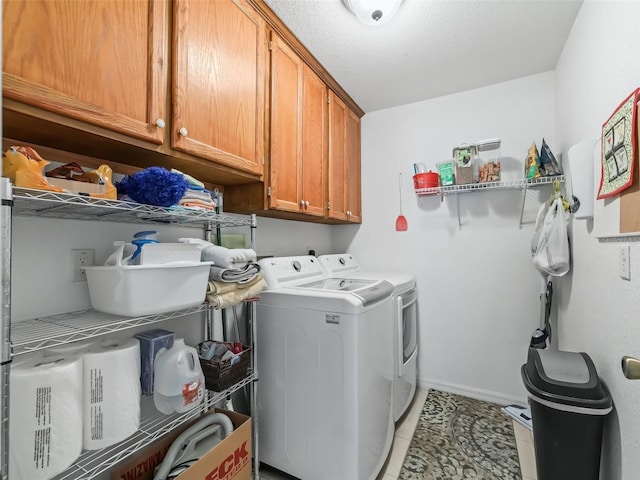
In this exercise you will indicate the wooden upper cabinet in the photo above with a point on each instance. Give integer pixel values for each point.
(103, 62)
(314, 144)
(352, 167)
(338, 112)
(219, 82)
(298, 134)
(344, 162)
(285, 155)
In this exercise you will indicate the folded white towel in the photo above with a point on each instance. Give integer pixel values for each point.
(237, 275)
(221, 256)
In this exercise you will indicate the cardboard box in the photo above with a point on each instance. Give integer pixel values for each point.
(228, 460)
(74, 186)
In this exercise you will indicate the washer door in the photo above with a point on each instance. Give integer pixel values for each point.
(407, 329)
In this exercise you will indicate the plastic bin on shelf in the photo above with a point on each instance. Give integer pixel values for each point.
(136, 290)
(425, 180)
(568, 406)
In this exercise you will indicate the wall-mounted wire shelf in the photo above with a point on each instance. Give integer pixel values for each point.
(517, 184)
(501, 185)
(56, 330)
(153, 425)
(41, 203)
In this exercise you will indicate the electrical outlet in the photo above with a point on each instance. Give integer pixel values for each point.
(625, 262)
(80, 258)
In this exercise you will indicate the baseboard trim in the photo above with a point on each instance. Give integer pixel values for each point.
(472, 392)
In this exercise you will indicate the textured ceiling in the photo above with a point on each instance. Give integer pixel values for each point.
(431, 47)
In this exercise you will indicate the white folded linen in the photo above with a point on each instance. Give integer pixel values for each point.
(238, 275)
(222, 256)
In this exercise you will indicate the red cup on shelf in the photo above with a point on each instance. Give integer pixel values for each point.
(425, 180)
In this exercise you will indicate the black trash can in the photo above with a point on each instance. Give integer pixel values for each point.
(568, 406)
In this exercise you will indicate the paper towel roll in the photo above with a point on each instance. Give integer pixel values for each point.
(581, 160)
(76, 348)
(111, 397)
(45, 429)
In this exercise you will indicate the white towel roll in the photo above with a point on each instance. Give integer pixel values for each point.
(111, 396)
(45, 429)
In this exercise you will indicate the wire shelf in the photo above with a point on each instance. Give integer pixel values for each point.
(56, 330)
(153, 425)
(41, 203)
(502, 185)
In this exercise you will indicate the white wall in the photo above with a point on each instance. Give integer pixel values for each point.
(478, 289)
(282, 238)
(598, 312)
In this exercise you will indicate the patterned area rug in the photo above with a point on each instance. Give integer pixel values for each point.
(458, 438)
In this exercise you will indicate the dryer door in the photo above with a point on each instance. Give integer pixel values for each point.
(407, 329)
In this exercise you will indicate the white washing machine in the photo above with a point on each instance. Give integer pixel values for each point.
(404, 318)
(324, 402)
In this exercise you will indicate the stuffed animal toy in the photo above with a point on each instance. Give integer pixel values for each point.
(154, 186)
(23, 166)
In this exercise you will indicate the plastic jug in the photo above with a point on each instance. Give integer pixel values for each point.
(179, 381)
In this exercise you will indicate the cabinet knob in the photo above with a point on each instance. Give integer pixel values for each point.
(348, 213)
(306, 203)
(183, 131)
(160, 123)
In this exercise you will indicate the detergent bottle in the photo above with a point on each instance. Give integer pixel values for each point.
(179, 381)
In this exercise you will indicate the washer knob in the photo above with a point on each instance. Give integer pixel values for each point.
(297, 266)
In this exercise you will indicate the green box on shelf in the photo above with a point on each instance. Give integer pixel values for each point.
(445, 170)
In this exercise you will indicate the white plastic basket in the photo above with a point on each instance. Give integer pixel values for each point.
(136, 290)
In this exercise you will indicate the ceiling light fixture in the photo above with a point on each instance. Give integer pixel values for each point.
(373, 12)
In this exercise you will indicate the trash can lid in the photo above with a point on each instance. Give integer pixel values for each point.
(567, 378)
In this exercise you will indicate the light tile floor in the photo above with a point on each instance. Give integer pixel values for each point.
(405, 427)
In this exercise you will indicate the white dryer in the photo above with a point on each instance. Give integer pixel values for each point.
(405, 361)
(324, 402)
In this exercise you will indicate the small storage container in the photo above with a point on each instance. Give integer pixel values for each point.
(135, 290)
(568, 405)
(425, 180)
(221, 374)
(151, 342)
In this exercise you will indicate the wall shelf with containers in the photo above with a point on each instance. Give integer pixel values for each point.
(518, 184)
(32, 335)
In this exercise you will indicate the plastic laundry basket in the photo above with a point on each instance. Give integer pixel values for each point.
(568, 406)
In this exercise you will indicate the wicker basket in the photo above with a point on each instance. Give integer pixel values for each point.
(220, 374)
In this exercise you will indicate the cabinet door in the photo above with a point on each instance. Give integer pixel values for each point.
(285, 156)
(344, 162)
(338, 112)
(219, 80)
(99, 61)
(314, 143)
(352, 167)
